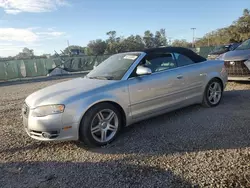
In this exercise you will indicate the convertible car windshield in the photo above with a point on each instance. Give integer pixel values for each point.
(244, 46)
(114, 67)
(218, 49)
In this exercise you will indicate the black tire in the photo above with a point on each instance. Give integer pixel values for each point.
(85, 134)
(206, 102)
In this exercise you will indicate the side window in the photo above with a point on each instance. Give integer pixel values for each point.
(160, 62)
(157, 63)
(183, 60)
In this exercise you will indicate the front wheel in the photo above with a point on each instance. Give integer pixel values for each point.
(100, 125)
(213, 93)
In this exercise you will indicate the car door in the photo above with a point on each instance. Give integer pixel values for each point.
(151, 93)
(193, 76)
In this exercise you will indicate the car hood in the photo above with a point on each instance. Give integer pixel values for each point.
(58, 93)
(237, 55)
(218, 52)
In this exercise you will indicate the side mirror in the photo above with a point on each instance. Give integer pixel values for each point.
(143, 70)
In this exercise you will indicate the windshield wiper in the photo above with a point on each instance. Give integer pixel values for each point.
(102, 77)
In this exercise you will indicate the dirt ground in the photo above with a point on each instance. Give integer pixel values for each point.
(191, 147)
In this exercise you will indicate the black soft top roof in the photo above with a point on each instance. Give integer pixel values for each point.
(180, 50)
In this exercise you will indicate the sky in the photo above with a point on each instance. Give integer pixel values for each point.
(47, 25)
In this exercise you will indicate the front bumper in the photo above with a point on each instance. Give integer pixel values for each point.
(49, 128)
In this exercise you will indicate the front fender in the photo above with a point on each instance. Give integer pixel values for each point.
(81, 107)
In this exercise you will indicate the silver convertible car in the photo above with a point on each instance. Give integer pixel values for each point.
(123, 89)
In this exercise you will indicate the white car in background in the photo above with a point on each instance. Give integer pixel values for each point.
(237, 62)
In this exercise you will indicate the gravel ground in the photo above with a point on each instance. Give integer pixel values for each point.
(192, 147)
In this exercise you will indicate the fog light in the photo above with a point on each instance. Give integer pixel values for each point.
(46, 135)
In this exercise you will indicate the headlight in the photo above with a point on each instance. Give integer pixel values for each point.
(48, 110)
(247, 63)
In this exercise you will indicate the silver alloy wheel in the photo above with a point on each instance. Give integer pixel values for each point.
(104, 125)
(214, 93)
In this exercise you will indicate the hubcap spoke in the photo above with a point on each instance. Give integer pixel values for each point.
(217, 95)
(210, 97)
(104, 135)
(215, 98)
(95, 129)
(211, 89)
(112, 127)
(111, 116)
(100, 116)
(215, 86)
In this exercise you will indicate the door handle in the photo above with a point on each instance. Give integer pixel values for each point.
(179, 76)
(203, 74)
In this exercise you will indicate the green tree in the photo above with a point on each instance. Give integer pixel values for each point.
(181, 43)
(112, 36)
(160, 38)
(246, 12)
(132, 43)
(113, 43)
(25, 54)
(148, 39)
(139, 42)
(96, 47)
(238, 31)
(243, 25)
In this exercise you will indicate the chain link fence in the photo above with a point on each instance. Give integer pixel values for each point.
(15, 69)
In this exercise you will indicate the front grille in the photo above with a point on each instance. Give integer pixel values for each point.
(25, 110)
(237, 68)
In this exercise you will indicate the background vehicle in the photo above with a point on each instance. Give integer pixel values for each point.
(218, 50)
(237, 62)
(124, 89)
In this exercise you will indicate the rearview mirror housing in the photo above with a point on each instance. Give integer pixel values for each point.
(141, 70)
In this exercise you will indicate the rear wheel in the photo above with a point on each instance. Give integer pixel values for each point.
(213, 93)
(100, 125)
